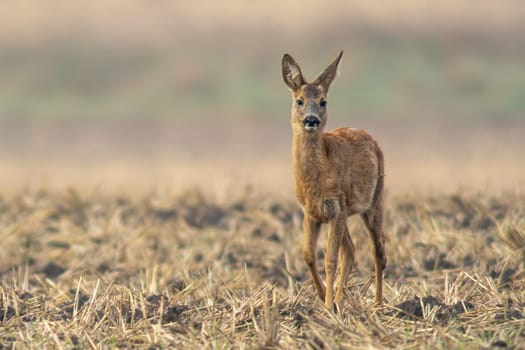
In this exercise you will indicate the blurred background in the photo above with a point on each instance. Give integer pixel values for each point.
(172, 94)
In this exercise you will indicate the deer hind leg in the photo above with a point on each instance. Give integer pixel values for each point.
(346, 258)
(311, 233)
(373, 219)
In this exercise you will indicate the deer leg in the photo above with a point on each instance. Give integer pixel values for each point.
(334, 241)
(311, 233)
(373, 220)
(346, 258)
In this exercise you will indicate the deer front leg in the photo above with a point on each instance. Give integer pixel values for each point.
(334, 241)
(311, 233)
(345, 264)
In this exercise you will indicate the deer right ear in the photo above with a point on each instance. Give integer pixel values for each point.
(292, 75)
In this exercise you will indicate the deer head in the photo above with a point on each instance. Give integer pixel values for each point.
(309, 99)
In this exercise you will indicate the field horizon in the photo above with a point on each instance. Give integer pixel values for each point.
(216, 154)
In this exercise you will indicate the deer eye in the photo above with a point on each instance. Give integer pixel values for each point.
(322, 103)
(300, 102)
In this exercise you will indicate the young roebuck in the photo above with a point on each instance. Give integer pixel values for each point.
(337, 174)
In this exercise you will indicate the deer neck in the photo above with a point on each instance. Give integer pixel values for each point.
(309, 156)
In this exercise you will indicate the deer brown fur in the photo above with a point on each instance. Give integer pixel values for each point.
(337, 174)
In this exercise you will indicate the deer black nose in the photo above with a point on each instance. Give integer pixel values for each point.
(311, 122)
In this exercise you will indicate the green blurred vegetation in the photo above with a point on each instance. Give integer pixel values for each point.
(68, 80)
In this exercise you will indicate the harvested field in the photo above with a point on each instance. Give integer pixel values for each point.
(188, 270)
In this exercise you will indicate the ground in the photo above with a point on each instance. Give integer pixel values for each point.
(187, 270)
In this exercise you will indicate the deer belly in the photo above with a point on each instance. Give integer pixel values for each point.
(359, 199)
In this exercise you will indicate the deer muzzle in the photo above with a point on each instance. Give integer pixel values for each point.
(311, 122)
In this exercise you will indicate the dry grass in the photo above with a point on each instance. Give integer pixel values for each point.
(191, 271)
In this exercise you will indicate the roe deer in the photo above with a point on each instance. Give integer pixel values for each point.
(337, 174)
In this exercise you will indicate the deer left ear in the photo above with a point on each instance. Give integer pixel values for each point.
(327, 77)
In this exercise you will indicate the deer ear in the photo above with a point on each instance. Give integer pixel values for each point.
(327, 77)
(292, 75)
